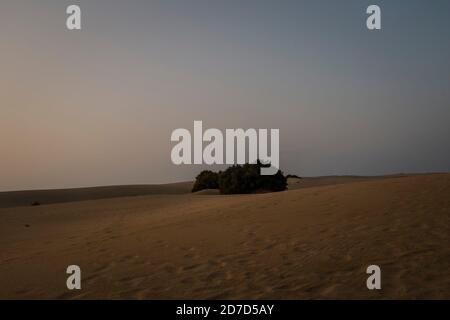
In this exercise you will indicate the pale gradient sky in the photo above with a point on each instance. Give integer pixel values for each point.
(97, 106)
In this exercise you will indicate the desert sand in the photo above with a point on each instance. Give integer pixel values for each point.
(314, 241)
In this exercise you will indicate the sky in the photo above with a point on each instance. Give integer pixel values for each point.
(97, 106)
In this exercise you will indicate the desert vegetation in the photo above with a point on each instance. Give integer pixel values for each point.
(241, 179)
(206, 180)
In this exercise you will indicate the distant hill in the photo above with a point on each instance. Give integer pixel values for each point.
(42, 197)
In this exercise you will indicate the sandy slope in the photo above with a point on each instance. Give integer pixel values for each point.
(26, 198)
(311, 242)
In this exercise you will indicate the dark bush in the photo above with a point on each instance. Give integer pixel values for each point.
(206, 180)
(247, 179)
(293, 176)
(241, 179)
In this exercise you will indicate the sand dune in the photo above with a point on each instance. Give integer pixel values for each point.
(313, 242)
(308, 182)
(43, 197)
(26, 198)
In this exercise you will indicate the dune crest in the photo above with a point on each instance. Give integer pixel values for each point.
(28, 197)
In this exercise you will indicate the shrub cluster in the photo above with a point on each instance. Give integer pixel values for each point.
(241, 179)
(206, 180)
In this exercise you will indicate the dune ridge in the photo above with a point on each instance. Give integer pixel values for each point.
(27, 197)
